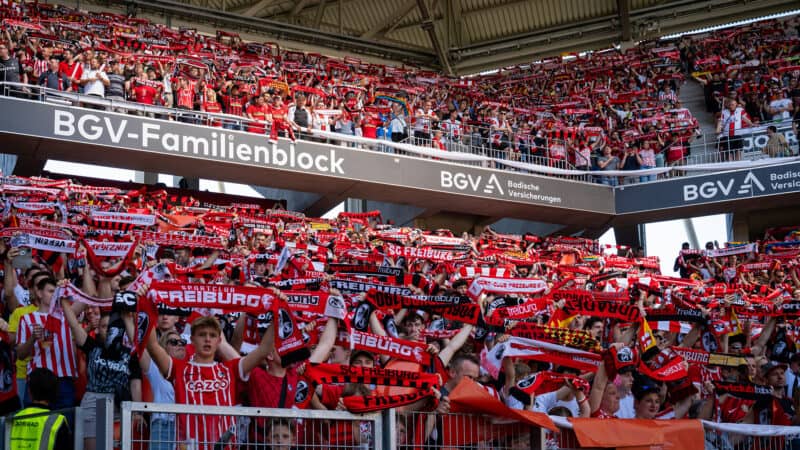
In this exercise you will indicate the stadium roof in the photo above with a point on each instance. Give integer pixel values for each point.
(466, 36)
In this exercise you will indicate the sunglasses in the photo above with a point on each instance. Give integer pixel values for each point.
(176, 342)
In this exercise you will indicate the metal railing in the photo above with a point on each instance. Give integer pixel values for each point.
(320, 429)
(491, 156)
(201, 427)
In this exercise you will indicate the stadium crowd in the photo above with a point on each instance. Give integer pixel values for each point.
(566, 110)
(137, 294)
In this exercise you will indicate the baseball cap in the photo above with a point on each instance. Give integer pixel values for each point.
(770, 366)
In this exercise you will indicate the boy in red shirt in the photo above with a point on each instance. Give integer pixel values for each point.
(203, 381)
(280, 122)
(258, 114)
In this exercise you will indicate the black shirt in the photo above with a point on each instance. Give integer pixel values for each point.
(10, 70)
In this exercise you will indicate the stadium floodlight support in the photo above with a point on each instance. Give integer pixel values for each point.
(286, 31)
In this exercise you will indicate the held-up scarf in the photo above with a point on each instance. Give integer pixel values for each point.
(668, 365)
(179, 240)
(369, 270)
(317, 302)
(506, 286)
(94, 260)
(251, 300)
(704, 358)
(389, 346)
(358, 286)
(383, 300)
(337, 374)
(288, 338)
(605, 309)
(142, 220)
(368, 403)
(579, 339)
(79, 296)
(744, 390)
(542, 383)
(517, 347)
(429, 254)
(526, 310)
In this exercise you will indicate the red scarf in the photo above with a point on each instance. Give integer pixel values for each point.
(95, 263)
(251, 300)
(288, 337)
(368, 403)
(389, 346)
(338, 374)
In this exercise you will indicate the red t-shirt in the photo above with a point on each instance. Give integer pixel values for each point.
(258, 113)
(74, 70)
(264, 389)
(144, 93)
(279, 112)
(212, 384)
(212, 108)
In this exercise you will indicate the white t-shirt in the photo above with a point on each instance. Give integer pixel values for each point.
(95, 87)
(626, 410)
(546, 402)
(23, 295)
(163, 391)
(779, 104)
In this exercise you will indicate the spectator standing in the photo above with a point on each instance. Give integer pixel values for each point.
(53, 79)
(116, 80)
(72, 68)
(50, 349)
(731, 122)
(631, 161)
(398, 125)
(10, 67)
(608, 162)
(94, 80)
(647, 156)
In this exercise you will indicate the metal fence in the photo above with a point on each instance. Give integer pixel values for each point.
(429, 431)
(198, 427)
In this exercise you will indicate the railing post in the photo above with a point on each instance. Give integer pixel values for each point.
(389, 429)
(126, 425)
(5, 427)
(105, 424)
(78, 427)
(538, 438)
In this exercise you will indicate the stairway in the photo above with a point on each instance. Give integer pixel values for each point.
(691, 96)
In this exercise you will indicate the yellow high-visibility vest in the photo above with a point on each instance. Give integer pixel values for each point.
(35, 433)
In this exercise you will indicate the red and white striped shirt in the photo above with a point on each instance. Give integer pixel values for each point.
(205, 384)
(55, 352)
(40, 66)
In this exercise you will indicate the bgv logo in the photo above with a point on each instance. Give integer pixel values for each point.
(469, 182)
(713, 189)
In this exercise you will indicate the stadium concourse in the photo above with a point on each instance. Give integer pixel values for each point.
(217, 323)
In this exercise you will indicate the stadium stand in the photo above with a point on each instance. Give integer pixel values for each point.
(130, 293)
(368, 294)
(560, 112)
